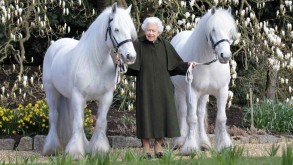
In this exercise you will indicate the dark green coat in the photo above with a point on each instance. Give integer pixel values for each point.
(156, 115)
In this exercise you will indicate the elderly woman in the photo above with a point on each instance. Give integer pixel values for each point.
(156, 61)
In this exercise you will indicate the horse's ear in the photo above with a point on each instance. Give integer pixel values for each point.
(213, 10)
(229, 9)
(114, 7)
(129, 9)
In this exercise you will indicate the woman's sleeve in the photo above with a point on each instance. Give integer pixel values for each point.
(176, 66)
(180, 69)
(133, 69)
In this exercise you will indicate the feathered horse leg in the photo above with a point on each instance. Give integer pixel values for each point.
(202, 115)
(192, 139)
(76, 147)
(99, 142)
(180, 97)
(223, 139)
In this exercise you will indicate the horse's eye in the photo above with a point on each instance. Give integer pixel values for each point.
(116, 30)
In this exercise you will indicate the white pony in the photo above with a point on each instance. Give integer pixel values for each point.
(77, 71)
(208, 44)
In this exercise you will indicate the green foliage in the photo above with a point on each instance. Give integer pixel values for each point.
(275, 116)
(229, 156)
(274, 150)
(124, 95)
(287, 157)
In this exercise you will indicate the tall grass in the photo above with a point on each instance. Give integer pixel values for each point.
(274, 116)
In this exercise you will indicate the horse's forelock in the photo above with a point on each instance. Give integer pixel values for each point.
(123, 20)
(216, 22)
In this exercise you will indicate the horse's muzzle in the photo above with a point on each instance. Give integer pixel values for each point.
(224, 59)
(129, 59)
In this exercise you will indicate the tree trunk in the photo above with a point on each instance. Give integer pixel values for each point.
(271, 86)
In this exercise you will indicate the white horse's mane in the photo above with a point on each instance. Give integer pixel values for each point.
(93, 41)
(196, 41)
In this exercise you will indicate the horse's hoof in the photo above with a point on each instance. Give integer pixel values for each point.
(205, 147)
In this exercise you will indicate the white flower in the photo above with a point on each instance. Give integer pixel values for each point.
(179, 22)
(252, 15)
(242, 13)
(24, 78)
(122, 91)
(168, 28)
(32, 80)
(3, 90)
(187, 14)
(24, 83)
(289, 26)
(279, 53)
(191, 3)
(282, 80)
(160, 2)
(230, 94)
(183, 4)
(192, 17)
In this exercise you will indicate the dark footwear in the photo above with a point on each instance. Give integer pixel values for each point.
(159, 155)
(148, 156)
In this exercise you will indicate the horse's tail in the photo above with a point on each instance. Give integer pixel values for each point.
(65, 118)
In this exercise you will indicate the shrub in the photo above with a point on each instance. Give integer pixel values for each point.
(275, 116)
(33, 119)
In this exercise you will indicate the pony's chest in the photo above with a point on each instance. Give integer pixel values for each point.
(95, 83)
(212, 78)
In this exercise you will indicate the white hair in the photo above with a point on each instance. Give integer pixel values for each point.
(153, 20)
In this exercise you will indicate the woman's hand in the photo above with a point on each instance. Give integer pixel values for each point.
(192, 64)
(117, 60)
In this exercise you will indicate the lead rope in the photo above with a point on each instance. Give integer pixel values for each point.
(120, 68)
(188, 79)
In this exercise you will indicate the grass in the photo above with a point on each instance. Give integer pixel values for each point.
(233, 156)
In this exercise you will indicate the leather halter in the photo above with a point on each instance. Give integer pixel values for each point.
(214, 46)
(113, 39)
(217, 43)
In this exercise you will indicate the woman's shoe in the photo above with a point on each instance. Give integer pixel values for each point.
(159, 155)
